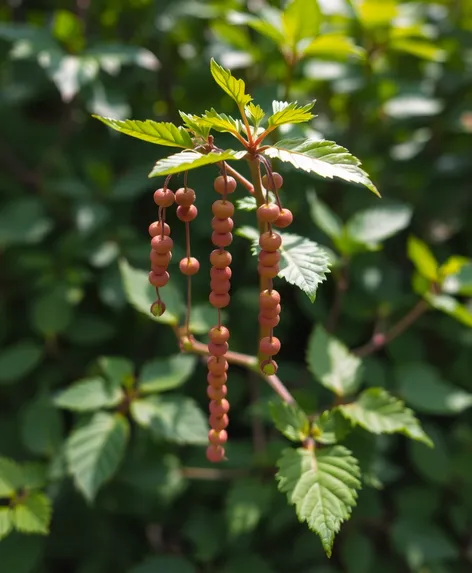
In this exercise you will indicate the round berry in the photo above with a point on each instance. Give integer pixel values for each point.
(158, 308)
(217, 366)
(221, 239)
(220, 274)
(187, 214)
(164, 197)
(271, 312)
(218, 335)
(160, 259)
(268, 272)
(217, 392)
(217, 438)
(222, 225)
(269, 299)
(185, 196)
(219, 423)
(215, 454)
(189, 266)
(220, 287)
(269, 346)
(219, 407)
(276, 178)
(158, 270)
(270, 241)
(222, 188)
(217, 380)
(269, 367)
(268, 322)
(156, 229)
(162, 244)
(268, 259)
(219, 300)
(220, 259)
(284, 219)
(218, 349)
(158, 280)
(222, 209)
(268, 212)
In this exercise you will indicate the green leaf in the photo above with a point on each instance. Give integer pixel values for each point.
(18, 360)
(450, 306)
(94, 451)
(322, 216)
(236, 89)
(322, 485)
(164, 374)
(33, 514)
(301, 19)
(6, 522)
(373, 13)
(331, 427)
(41, 426)
(89, 394)
(175, 419)
(193, 123)
(160, 133)
(374, 225)
(10, 477)
(52, 312)
(254, 113)
(422, 387)
(378, 412)
(290, 420)
(333, 46)
(33, 475)
(166, 564)
(325, 158)
(270, 28)
(140, 294)
(422, 258)
(23, 221)
(221, 122)
(247, 501)
(186, 160)
(118, 370)
(420, 48)
(456, 275)
(285, 112)
(330, 361)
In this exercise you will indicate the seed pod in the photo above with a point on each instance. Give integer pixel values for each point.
(218, 349)
(185, 196)
(220, 287)
(268, 272)
(215, 453)
(219, 423)
(222, 225)
(269, 299)
(269, 345)
(222, 209)
(217, 392)
(268, 213)
(220, 274)
(219, 334)
(269, 367)
(284, 219)
(156, 229)
(164, 197)
(217, 438)
(276, 178)
(217, 366)
(270, 241)
(187, 214)
(158, 280)
(162, 244)
(158, 308)
(189, 266)
(220, 186)
(217, 380)
(219, 300)
(268, 258)
(219, 407)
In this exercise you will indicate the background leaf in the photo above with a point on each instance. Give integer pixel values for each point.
(165, 373)
(33, 514)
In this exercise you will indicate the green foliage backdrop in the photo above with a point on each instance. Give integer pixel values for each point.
(102, 418)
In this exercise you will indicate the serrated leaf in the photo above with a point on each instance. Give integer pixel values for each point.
(247, 502)
(194, 124)
(423, 259)
(116, 369)
(254, 113)
(175, 419)
(301, 19)
(221, 122)
(330, 427)
(322, 216)
(333, 46)
(89, 394)
(378, 412)
(325, 158)
(235, 88)
(322, 485)
(291, 113)
(330, 361)
(450, 306)
(247, 203)
(160, 133)
(186, 160)
(6, 522)
(374, 225)
(33, 514)
(164, 374)
(140, 294)
(95, 450)
(10, 477)
(290, 420)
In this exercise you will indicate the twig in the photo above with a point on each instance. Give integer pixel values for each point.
(379, 340)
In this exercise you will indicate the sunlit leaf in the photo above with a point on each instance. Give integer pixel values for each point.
(186, 160)
(285, 112)
(235, 88)
(333, 47)
(423, 259)
(221, 122)
(301, 19)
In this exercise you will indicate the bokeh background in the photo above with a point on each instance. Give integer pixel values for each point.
(395, 87)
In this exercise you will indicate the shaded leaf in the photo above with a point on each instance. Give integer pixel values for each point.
(254, 113)
(235, 88)
(165, 373)
(322, 216)
(18, 360)
(331, 427)
(23, 221)
(290, 420)
(89, 394)
(186, 160)
(117, 369)
(247, 502)
(10, 477)
(376, 224)
(33, 514)
(41, 426)
(166, 564)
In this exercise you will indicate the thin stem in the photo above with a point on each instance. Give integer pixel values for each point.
(247, 126)
(379, 340)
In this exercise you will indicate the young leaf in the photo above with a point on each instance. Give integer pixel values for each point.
(322, 216)
(162, 133)
(325, 158)
(140, 294)
(6, 522)
(330, 361)
(116, 369)
(172, 418)
(221, 122)
(330, 427)
(194, 124)
(95, 450)
(378, 412)
(422, 258)
(376, 224)
(186, 160)
(33, 514)
(322, 485)
(301, 19)
(290, 420)
(10, 477)
(236, 89)
(285, 112)
(165, 373)
(89, 394)
(254, 113)
(450, 306)
(333, 46)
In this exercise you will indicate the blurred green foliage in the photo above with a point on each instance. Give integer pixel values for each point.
(393, 83)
